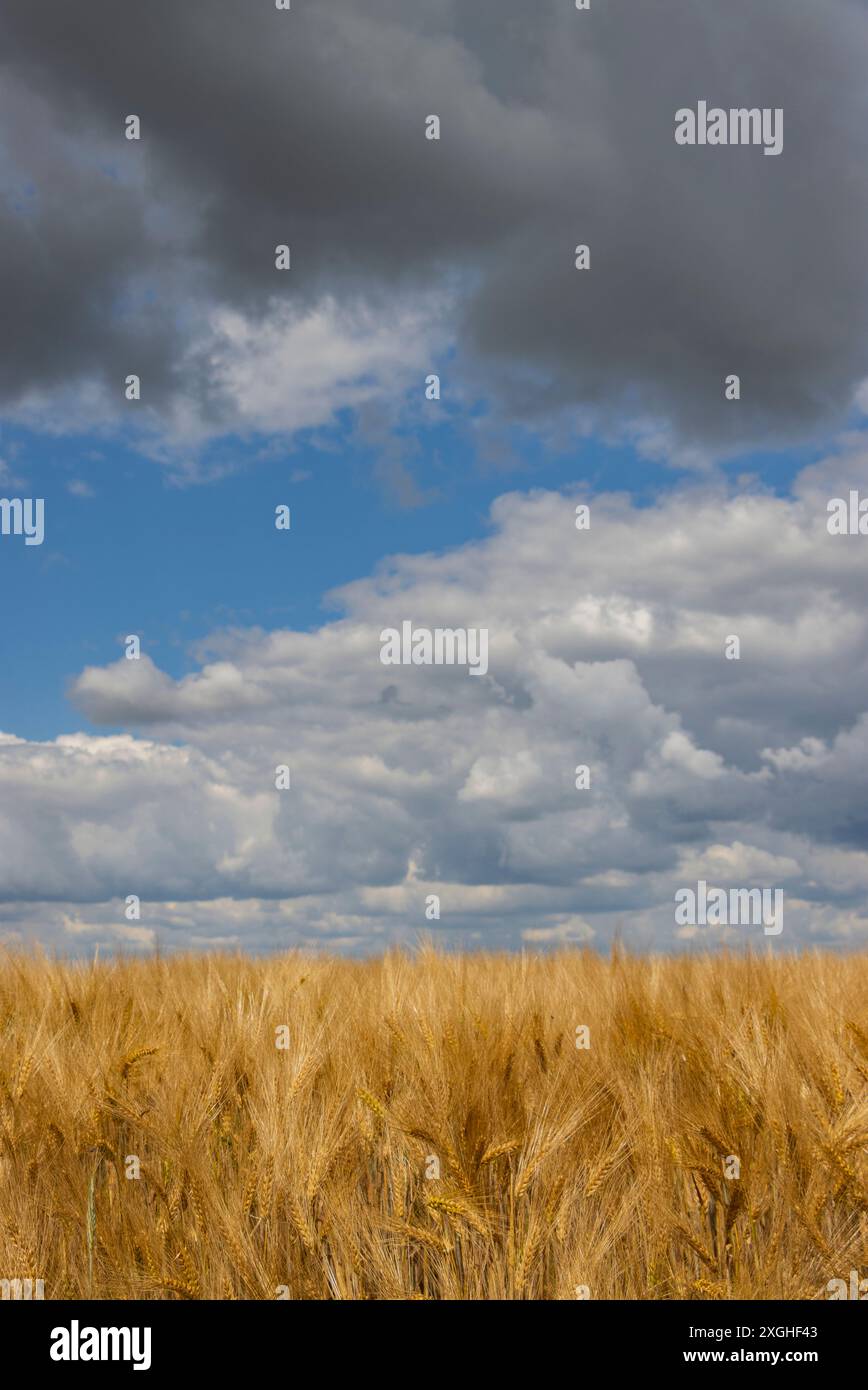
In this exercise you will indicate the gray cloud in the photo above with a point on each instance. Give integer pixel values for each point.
(261, 127)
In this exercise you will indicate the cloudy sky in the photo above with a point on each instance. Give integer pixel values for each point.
(307, 388)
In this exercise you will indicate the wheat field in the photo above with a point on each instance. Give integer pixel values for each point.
(215, 1127)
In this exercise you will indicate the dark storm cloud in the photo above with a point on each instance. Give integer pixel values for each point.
(261, 127)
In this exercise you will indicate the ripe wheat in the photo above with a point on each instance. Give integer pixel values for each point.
(156, 1143)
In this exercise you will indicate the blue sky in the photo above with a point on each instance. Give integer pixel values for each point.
(139, 550)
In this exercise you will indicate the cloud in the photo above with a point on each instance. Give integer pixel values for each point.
(606, 649)
(261, 127)
(571, 932)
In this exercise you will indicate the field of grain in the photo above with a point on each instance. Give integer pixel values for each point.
(309, 1169)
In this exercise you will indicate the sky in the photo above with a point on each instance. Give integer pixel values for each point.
(421, 799)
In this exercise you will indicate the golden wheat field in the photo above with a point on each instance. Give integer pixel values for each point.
(308, 1170)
